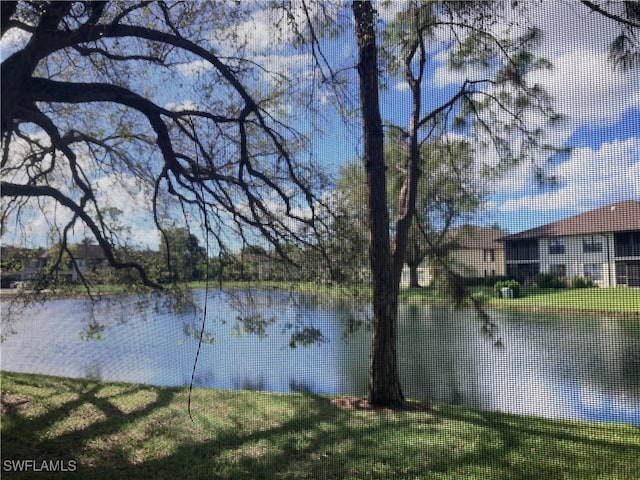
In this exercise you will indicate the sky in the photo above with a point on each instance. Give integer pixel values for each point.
(600, 105)
(601, 108)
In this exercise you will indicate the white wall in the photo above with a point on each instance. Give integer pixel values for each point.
(575, 259)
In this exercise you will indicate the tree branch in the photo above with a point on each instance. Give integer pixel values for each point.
(7, 10)
(16, 190)
(596, 8)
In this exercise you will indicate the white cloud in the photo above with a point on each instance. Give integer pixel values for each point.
(297, 67)
(42, 217)
(195, 68)
(184, 105)
(401, 86)
(589, 178)
(569, 25)
(587, 88)
(133, 198)
(388, 10)
(269, 28)
(515, 180)
(444, 75)
(589, 92)
(11, 41)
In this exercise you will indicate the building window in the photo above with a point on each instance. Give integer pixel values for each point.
(525, 273)
(489, 255)
(627, 244)
(517, 250)
(556, 246)
(628, 273)
(559, 270)
(591, 244)
(593, 270)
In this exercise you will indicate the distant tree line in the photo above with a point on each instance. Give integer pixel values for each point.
(179, 258)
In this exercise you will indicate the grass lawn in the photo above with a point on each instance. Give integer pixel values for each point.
(115, 430)
(587, 300)
(620, 300)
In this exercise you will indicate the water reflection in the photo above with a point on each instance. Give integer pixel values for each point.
(573, 367)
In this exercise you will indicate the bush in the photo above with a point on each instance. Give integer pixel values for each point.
(548, 280)
(512, 284)
(581, 282)
(483, 281)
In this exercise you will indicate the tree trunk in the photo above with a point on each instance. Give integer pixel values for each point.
(384, 380)
(413, 276)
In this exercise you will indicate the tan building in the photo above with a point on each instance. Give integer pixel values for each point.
(603, 244)
(477, 252)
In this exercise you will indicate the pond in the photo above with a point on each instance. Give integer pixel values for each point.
(572, 367)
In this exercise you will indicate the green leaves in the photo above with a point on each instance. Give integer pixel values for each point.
(624, 51)
(254, 324)
(307, 337)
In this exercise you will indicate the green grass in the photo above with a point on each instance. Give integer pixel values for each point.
(620, 300)
(304, 287)
(115, 430)
(587, 300)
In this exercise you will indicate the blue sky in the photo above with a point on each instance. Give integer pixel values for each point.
(601, 106)
(601, 109)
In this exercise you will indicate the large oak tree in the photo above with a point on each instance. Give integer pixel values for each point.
(160, 101)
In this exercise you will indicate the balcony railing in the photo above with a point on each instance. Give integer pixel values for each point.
(522, 253)
(627, 250)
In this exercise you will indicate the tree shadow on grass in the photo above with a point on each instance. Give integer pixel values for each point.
(293, 436)
(533, 447)
(315, 441)
(88, 412)
(125, 431)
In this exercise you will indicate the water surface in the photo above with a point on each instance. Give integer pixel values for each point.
(573, 367)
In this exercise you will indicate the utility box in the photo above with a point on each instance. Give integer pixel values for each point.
(506, 292)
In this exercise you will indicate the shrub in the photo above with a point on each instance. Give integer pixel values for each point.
(512, 284)
(483, 281)
(581, 282)
(548, 280)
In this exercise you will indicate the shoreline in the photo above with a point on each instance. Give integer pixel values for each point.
(331, 291)
(543, 310)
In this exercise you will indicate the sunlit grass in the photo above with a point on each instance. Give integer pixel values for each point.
(624, 300)
(115, 430)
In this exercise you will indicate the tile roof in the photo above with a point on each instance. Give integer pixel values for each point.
(473, 236)
(617, 217)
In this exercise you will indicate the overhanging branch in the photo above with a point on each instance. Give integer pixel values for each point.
(8, 189)
(596, 8)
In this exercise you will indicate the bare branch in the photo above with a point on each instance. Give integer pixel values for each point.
(15, 190)
(596, 8)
